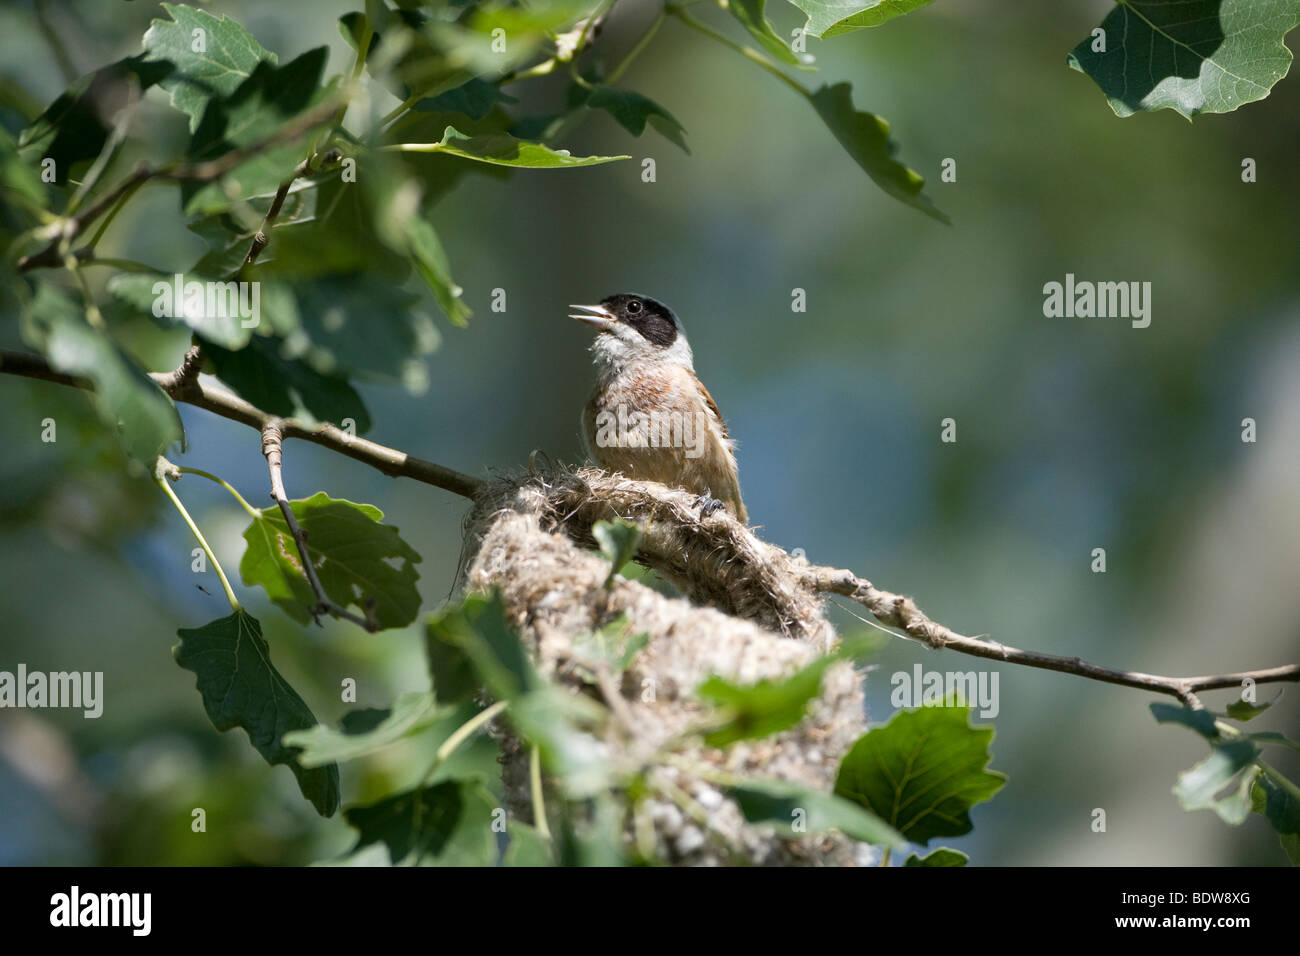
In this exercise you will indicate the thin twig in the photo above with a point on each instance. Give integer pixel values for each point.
(901, 612)
(65, 230)
(186, 375)
(893, 610)
(390, 461)
(304, 168)
(272, 442)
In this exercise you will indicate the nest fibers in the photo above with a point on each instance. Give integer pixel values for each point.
(523, 538)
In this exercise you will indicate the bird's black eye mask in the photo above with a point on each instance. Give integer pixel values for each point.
(654, 320)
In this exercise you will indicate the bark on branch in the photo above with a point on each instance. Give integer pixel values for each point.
(715, 560)
(190, 391)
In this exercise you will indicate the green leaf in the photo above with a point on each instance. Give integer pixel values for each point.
(474, 98)
(618, 541)
(528, 27)
(1199, 787)
(228, 57)
(1194, 56)
(1247, 710)
(400, 225)
(1199, 720)
(260, 106)
(1273, 737)
(477, 628)
(371, 234)
(922, 772)
(437, 174)
(865, 137)
(613, 646)
(804, 810)
(830, 18)
(262, 374)
(75, 127)
(135, 294)
(341, 238)
(407, 52)
(364, 731)
(527, 847)
(241, 688)
(633, 111)
(452, 671)
(762, 709)
(1280, 805)
(502, 149)
(943, 856)
(359, 560)
(125, 397)
(367, 326)
(448, 824)
(474, 634)
(750, 15)
(227, 242)
(552, 719)
(591, 834)
(19, 177)
(1291, 846)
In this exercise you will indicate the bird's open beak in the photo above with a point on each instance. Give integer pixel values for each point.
(595, 315)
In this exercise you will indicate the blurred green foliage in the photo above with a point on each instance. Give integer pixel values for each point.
(1072, 434)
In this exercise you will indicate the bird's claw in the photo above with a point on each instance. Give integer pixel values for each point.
(707, 504)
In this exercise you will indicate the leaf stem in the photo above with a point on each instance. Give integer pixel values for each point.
(93, 316)
(203, 542)
(749, 53)
(121, 201)
(125, 265)
(253, 512)
(399, 109)
(616, 74)
(543, 68)
(410, 148)
(539, 802)
(468, 728)
(573, 120)
(459, 736)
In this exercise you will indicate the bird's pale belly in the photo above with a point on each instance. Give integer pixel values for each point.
(676, 447)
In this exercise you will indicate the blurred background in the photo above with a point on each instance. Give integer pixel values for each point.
(1072, 434)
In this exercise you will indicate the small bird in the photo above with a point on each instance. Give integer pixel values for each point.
(649, 416)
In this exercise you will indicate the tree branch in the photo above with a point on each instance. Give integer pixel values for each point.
(899, 611)
(304, 168)
(66, 230)
(714, 560)
(390, 461)
(186, 374)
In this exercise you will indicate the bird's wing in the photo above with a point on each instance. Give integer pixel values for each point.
(713, 407)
